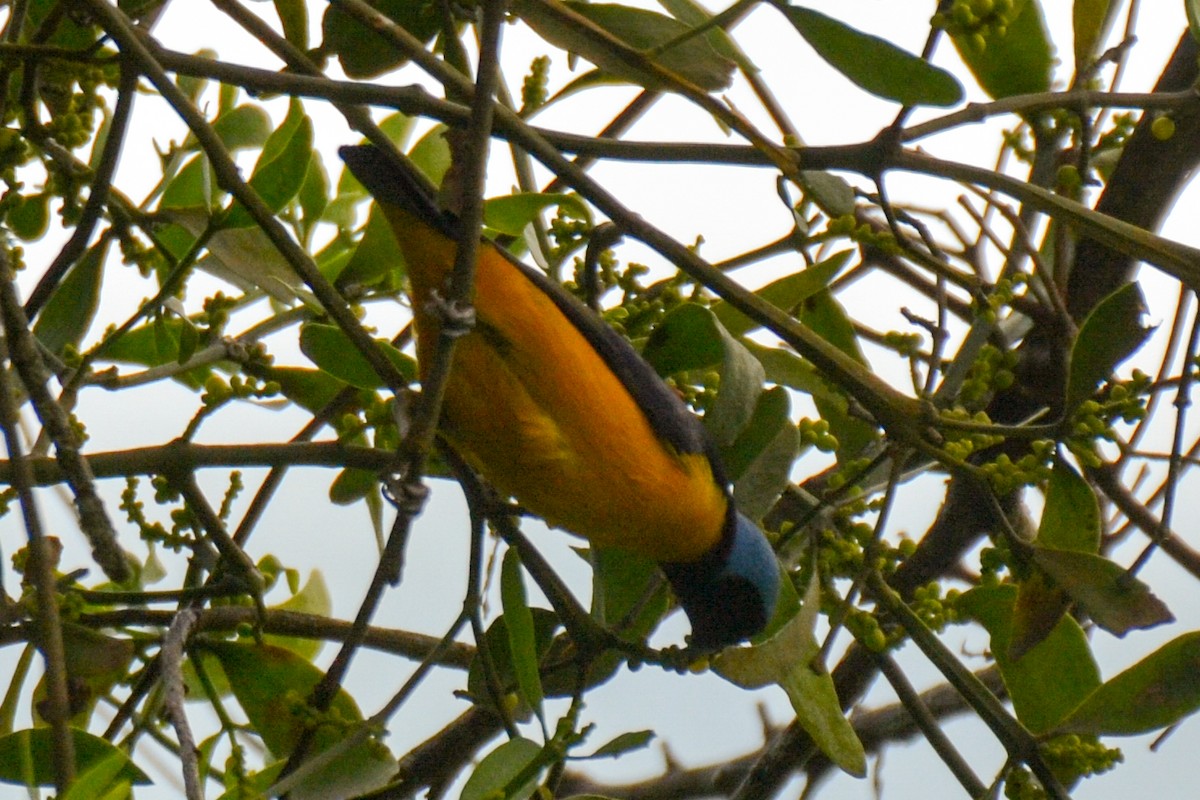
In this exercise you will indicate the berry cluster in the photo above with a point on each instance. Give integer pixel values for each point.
(974, 22)
(1094, 419)
(866, 235)
(1005, 475)
(534, 92)
(1071, 757)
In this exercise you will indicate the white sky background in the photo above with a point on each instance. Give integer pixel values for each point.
(701, 718)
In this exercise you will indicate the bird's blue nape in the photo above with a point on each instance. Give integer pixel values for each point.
(730, 594)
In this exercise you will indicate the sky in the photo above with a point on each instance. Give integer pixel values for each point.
(700, 718)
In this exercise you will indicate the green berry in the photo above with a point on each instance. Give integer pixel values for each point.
(1162, 128)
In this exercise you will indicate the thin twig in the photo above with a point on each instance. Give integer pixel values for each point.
(40, 571)
(1175, 465)
(180, 456)
(932, 731)
(214, 528)
(35, 378)
(171, 667)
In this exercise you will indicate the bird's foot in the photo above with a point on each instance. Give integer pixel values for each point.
(457, 317)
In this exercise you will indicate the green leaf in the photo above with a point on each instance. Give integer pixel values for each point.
(1041, 603)
(101, 781)
(70, 31)
(1050, 679)
(144, 345)
(168, 336)
(620, 583)
(29, 217)
(1088, 19)
(191, 187)
(259, 781)
(874, 64)
(1158, 691)
(293, 17)
(281, 143)
(629, 596)
(364, 53)
(227, 93)
(313, 196)
(791, 658)
(377, 259)
(268, 682)
(243, 127)
(785, 293)
(332, 258)
(68, 314)
(1107, 592)
(352, 485)
(1192, 7)
(1071, 516)
(619, 587)
(1110, 334)
(622, 744)
(245, 257)
(311, 389)
(689, 338)
(330, 348)
(831, 192)
(826, 316)
(281, 168)
(153, 570)
(95, 663)
(737, 397)
(491, 778)
(588, 80)
(99, 141)
(313, 598)
(554, 683)
(760, 461)
(25, 758)
(690, 57)
(695, 15)
(191, 86)
(431, 154)
(785, 368)
(1019, 61)
(1070, 521)
(189, 340)
(511, 214)
(522, 639)
(153, 345)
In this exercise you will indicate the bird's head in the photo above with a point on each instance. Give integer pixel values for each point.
(729, 595)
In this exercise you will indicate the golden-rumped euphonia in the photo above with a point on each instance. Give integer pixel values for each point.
(554, 408)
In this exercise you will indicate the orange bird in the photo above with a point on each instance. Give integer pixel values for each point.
(554, 408)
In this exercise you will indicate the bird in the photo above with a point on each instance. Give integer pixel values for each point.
(555, 409)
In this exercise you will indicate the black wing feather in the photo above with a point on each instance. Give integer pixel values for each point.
(392, 180)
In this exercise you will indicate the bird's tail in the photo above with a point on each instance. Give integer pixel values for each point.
(394, 181)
